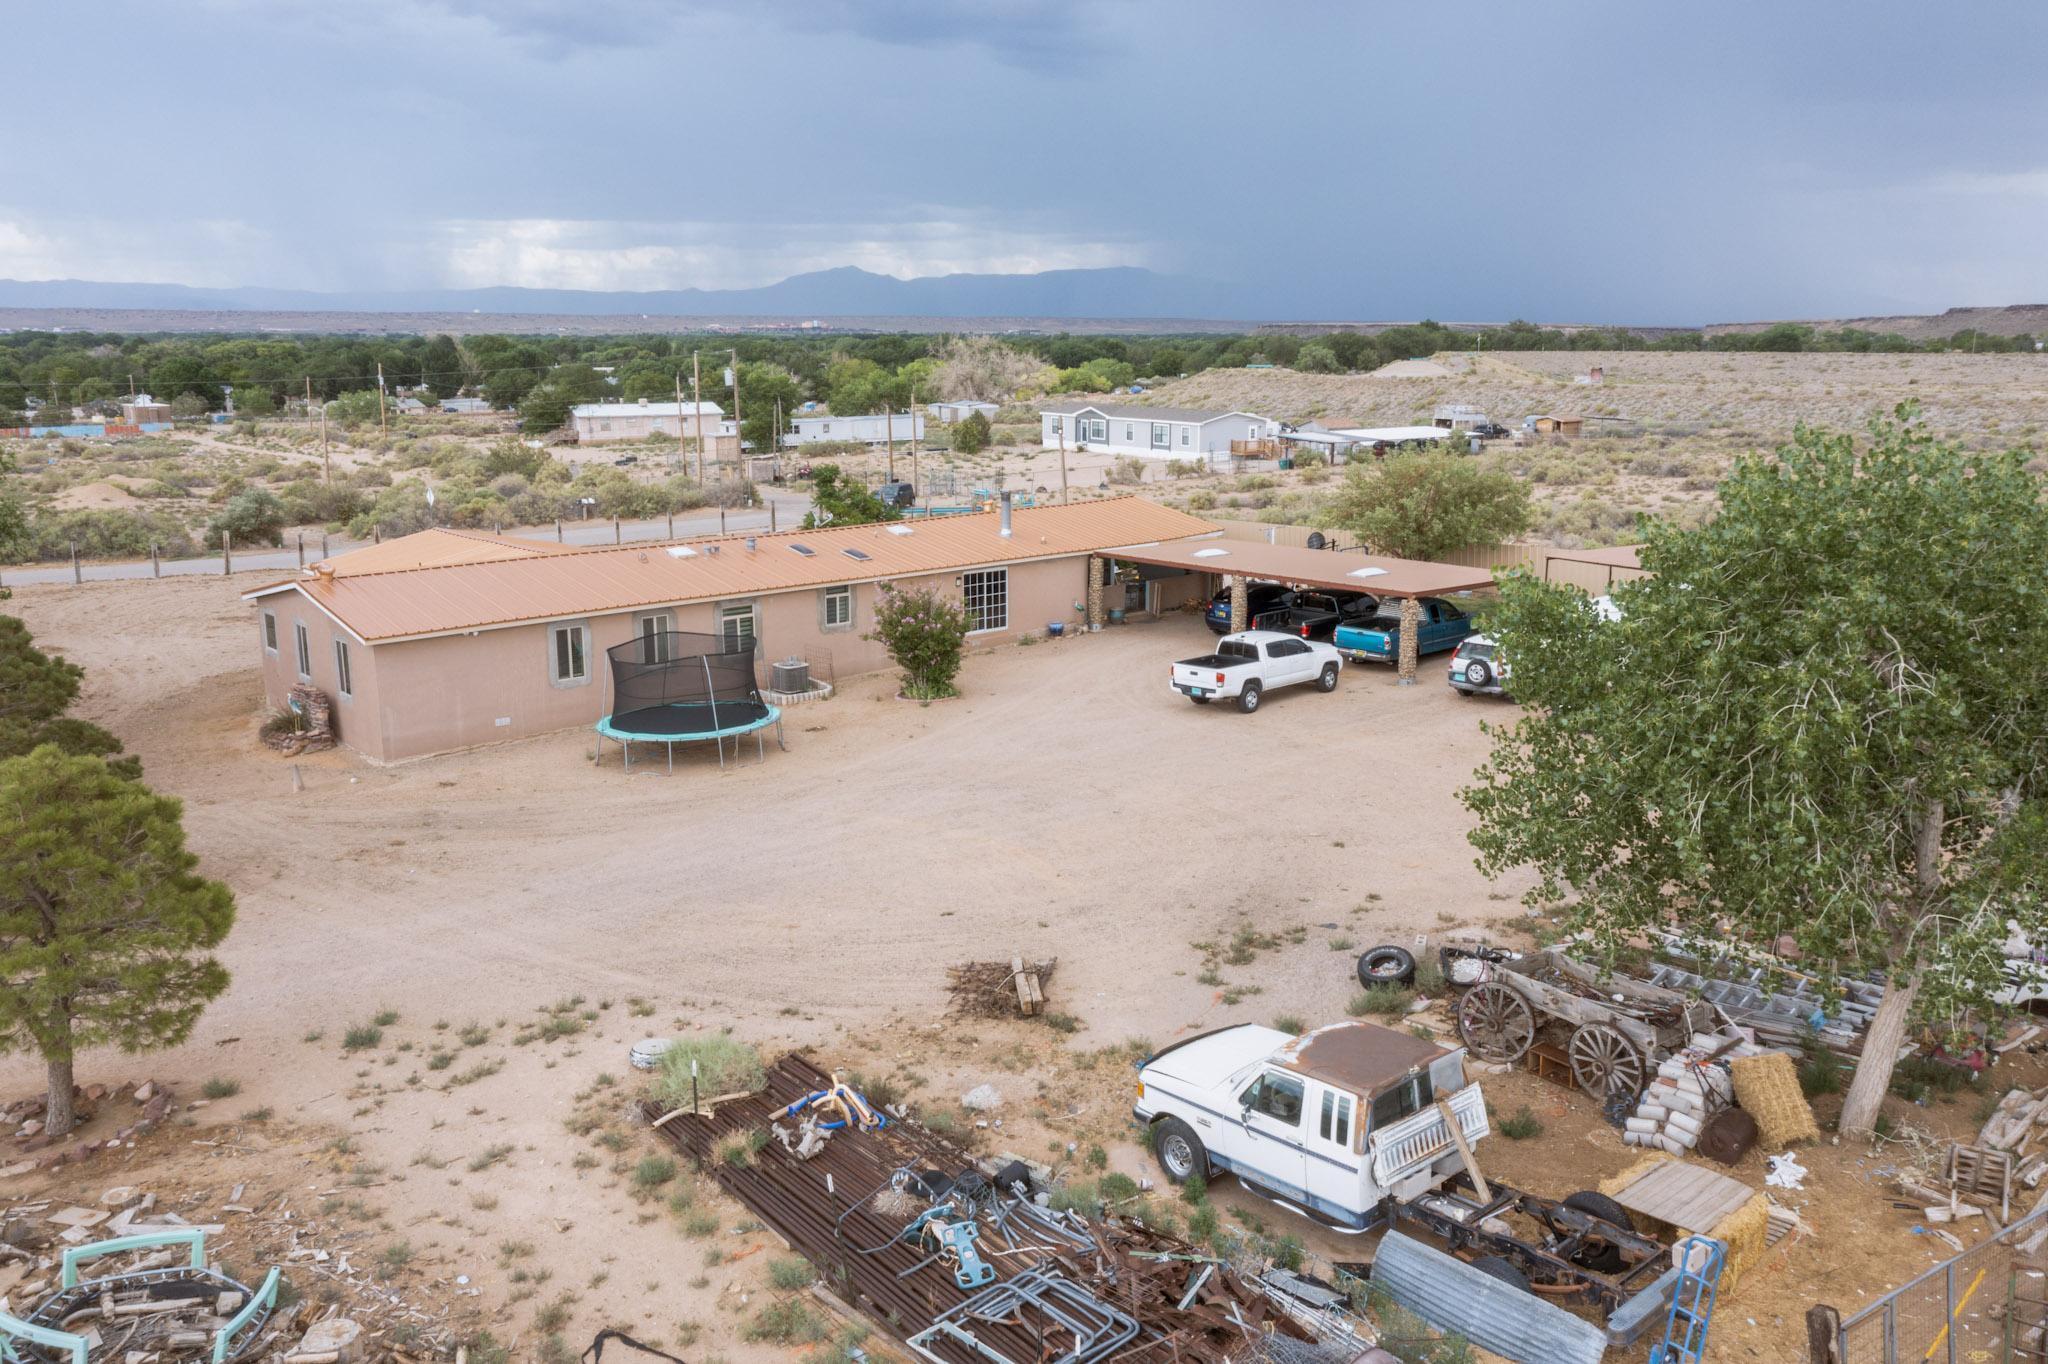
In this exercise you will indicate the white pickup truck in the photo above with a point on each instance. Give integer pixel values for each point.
(1251, 663)
(1334, 1122)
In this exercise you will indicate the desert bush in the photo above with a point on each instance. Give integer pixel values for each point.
(105, 534)
(725, 1065)
(925, 635)
(252, 516)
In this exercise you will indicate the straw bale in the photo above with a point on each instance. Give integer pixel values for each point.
(1767, 1088)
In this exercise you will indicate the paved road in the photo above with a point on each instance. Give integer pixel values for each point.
(784, 510)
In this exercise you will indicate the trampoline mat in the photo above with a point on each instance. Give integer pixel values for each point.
(688, 720)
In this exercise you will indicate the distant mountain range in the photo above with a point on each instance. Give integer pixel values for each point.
(1116, 292)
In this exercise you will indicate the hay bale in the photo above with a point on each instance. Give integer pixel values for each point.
(1767, 1087)
(1744, 1232)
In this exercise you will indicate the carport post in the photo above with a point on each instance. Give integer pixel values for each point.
(1240, 607)
(1411, 624)
(1094, 592)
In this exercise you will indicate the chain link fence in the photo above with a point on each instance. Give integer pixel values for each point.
(1988, 1305)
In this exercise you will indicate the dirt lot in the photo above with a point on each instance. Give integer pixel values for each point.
(516, 918)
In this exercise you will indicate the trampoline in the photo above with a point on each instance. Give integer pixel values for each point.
(670, 687)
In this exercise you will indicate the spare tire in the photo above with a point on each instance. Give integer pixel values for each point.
(1603, 1257)
(1500, 1267)
(1477, 673)
(1386, 965)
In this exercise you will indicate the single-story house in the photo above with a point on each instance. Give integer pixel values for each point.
(961, 409)
(465, 406)
(143, 408)
(1148, 432)
(873, 429)
(1555, 424)
(596, 423)
(409, 406)
(448, 639)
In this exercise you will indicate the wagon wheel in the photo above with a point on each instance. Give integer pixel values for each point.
(1496, 1023)
(1606, 1063)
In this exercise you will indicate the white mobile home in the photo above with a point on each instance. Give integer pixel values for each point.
(596, 423)
(872, 430)
(961, 410)
(1149, 432)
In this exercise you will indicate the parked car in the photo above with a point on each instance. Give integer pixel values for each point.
(1478, 668)
(897, 495)
(1261, 602)
(1316, 615)
(1489, 431)
(1248, 665)
(1378, 640)
(626, 461)
(1334, 1122)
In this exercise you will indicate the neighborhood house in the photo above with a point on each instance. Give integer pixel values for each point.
(1149, 432)
(596, 423)
(873, 429)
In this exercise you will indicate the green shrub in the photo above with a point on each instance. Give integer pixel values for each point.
(251, 517)
(725, 1065)
(1382, 1001)
(1519, 1125)
(925, 635)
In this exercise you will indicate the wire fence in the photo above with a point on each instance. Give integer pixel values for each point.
(1988, 1305)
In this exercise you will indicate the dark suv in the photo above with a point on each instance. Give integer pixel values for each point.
(897, 495)
(1261, 599)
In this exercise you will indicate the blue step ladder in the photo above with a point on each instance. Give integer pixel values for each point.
(1692, 1301)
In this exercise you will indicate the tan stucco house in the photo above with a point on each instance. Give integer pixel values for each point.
(448, 639)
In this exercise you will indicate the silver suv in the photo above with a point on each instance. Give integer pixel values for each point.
(1477, 668)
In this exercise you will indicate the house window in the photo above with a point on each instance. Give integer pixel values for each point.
(270, 632)
(305, 649)
(343, 681)
(1162, 436)
(569, 655)
(987, 599)
(1098, 428)
(1187, 435)
(1057, 426)
(736, 625)
(655, 637)
(825, 429)
(838, 607)
(1130, 434)
(1336, 1124)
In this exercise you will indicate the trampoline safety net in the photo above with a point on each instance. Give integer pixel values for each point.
(675, 682)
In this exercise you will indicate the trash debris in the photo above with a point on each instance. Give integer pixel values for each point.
(981, 1098)
(999, 989)
(1785, 1172)
(648, 1051)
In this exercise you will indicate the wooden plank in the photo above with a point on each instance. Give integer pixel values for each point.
(1443, 1106)
(1687, 1196)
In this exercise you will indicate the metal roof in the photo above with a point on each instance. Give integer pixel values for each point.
(397, 600)
(1396, 433)
(1129, 411)
(1338, 569)
(644, 409)
(438, 548)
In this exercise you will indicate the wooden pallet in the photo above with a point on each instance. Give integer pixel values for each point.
(1983, 1173)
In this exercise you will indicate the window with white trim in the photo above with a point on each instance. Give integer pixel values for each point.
(655, 629)
(1098, 428)
(986, 595)
(344, 679)
(1130, 434)
(569, 654)
(1162, 436)
(305, 648)
(1056, 426)
(736, 626)
(270, 632)
(837, 607)
(1187, 435)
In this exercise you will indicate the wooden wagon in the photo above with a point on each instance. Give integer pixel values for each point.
(1613, 1032)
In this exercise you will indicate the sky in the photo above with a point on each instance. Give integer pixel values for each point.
(1573, 160)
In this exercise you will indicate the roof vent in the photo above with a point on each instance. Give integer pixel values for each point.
(750, 544)
(711, 549)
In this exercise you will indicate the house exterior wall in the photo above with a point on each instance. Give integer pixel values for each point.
(960, 411)
(356, 716)
(873, 429)
(640, 426)
(420, 697)
(1133, 435)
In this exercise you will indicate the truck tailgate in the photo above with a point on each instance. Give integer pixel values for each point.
(1421, 1137)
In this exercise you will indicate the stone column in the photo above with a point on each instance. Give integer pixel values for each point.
(1240, 608)
(1411, 626)
(1095, 614)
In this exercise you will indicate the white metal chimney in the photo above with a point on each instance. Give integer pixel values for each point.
(1006, 514)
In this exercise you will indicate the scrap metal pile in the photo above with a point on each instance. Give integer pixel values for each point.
(963, 1266)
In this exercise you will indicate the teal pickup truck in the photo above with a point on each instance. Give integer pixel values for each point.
(1377, 639)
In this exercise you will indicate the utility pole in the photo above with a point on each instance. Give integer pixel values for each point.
(778, 438)
(697, 407)
(889, 427)
(380, 399)
(1063, 460)
(131, 385)
(682, 432)
(735, 354)
(326, 461)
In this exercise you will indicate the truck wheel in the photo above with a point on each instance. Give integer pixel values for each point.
(1387, 965)
(1248, 699)
(1179, 1150)
(1602, 1257)
(1500, 1267)
(1328, 681)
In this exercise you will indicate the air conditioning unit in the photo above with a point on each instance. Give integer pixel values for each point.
(791, 675)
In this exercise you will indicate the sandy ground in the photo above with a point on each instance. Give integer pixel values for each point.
(1067, 806)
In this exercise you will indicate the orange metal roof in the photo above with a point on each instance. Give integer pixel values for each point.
(1336, 569)
(438, 548)
(551, 583)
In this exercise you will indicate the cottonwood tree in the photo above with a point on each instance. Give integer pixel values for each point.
(1823, 722)
(1419, 505)
(838, 500)
(104, 925)
(982, 368)
(36, 691)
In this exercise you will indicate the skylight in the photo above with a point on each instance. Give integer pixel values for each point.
(900, 530)
(681, 552)
(1365, 573)
(1210, 553)
(804, 550)
(860, 554)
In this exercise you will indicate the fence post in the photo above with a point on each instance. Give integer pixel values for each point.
(721, 518)
(671, 523)
(227, 553)
(558, 530)
(1948, 1303)
(618, 536)
(77, 574)
(302, 549)
(323, 544)
(156, 567)
(771, 516)
(377, 533)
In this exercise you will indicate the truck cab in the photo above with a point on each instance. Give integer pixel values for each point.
(1333, 1123)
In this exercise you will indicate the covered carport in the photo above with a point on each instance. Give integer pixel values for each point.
(1241, 561)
